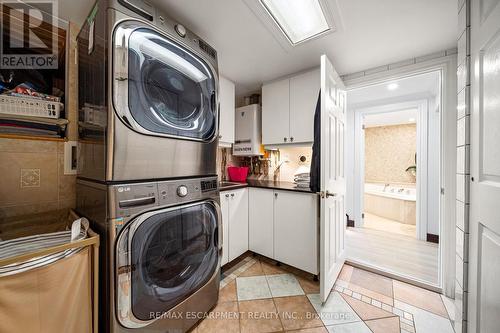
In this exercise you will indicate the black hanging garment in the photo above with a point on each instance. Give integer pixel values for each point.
(315, 173)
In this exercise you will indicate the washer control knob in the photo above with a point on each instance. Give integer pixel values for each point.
(182, 191)
(181, 30)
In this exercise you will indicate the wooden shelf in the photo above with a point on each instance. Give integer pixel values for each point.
(32, 137)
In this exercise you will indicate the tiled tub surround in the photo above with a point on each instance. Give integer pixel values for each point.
(258, 296)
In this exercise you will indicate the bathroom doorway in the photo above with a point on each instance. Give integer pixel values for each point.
(395, 216)
(389, 200)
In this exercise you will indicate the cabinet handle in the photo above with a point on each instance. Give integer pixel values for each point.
(284, 139)
(291, 139)
(227, 195)
(275, 195)
(232, 194)
(220, 136)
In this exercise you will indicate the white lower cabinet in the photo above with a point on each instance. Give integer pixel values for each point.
(283, 225)
(260, 221)
(234, 208)
(296, 230)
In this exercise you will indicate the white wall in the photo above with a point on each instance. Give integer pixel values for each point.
(433, 164)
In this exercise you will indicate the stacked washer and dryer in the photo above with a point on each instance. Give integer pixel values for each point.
(147, 179)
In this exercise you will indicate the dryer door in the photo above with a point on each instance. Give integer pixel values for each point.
(161, 88)
(169, 255)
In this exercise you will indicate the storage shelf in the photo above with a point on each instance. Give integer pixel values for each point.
(31, 137)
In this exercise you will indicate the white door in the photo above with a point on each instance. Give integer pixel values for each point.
(333, 186)
(484, 222)
(304, 90)
(238, 223)
(224, 207)
(276, 112)
(296, 230)
(261, 221)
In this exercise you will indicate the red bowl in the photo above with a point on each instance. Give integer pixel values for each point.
(237, 174)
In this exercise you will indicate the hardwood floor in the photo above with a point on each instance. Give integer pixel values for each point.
(395, 253)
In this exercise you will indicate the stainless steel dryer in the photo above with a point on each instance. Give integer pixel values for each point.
(148, 96)
(160, 243)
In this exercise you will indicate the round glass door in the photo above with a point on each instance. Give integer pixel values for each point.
(173, 254)
(170, 91)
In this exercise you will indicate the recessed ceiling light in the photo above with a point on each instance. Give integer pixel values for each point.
(411, 120)
(299, 20)
(392, 86)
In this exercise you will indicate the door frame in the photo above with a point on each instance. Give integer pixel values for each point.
(422, 152)
(447, 65)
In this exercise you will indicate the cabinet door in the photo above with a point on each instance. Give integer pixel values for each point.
(224, 207)
(261, 221)
(275, 112)
(296, 230)
(227, 110)
(238, 223)
(304, 92)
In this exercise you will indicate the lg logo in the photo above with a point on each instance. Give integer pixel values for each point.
(28, 35)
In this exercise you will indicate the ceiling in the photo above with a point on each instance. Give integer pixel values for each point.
(391, 118)
(370, 34)
(413, 87)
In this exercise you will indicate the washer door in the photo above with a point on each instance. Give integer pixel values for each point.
(171, 254)
(169, 91)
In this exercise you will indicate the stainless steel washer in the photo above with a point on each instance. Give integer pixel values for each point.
(160, 252)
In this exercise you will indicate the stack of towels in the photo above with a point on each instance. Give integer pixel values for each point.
(302, 180)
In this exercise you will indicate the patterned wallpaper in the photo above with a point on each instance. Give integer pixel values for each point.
(389, 150)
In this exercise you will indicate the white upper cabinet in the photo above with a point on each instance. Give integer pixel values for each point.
(288, 107)
(227, 111)
(275, 112)
(304, 92)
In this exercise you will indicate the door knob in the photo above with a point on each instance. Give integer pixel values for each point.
(326, 194)
(291, 139)
(284, 139)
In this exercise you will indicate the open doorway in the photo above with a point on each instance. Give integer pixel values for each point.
(396, 181)
(389, 199)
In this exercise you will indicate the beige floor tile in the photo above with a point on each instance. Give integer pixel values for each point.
(366, 311)
(228, 293)
(259, 316)
(296, 312)
(224, 318)
(372, 281)
(321, 329)
(419, 297)
(308, 285)
(271, 269)
(346, 273)
(254, 270)
(380, 223)
(385, 325)
(366, 292)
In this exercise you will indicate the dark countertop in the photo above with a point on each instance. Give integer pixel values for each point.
(276, 185)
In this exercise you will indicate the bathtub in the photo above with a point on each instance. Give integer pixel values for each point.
(394, 202)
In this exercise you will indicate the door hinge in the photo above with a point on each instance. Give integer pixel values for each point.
(363, 126)
(362, 215)
(442, 190)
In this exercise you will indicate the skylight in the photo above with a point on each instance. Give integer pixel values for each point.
(299, 20)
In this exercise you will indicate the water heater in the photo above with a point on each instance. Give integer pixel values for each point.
(248, 131)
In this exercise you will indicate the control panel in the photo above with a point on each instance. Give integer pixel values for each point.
(130, 199)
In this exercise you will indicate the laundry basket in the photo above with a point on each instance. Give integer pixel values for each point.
(51, 288)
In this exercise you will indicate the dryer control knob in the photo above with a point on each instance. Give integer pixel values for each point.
(182, 191)
(181, 31)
